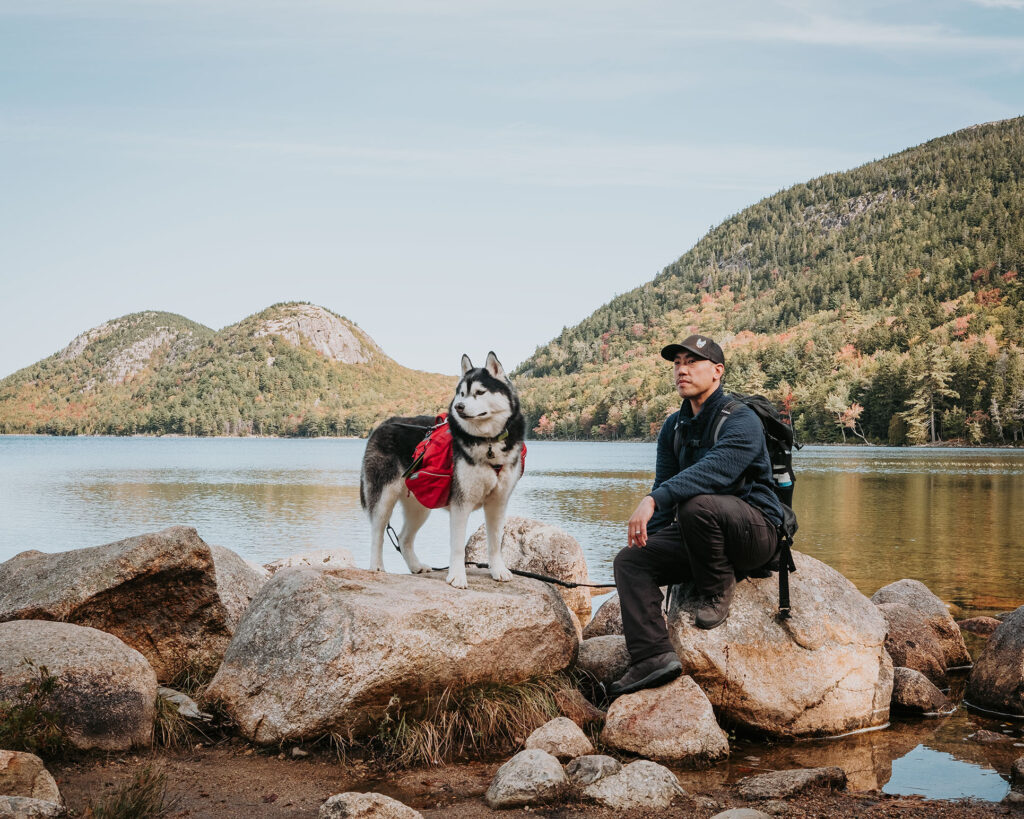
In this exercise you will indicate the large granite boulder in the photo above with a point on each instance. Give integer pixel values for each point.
(913, 692)
(531, 546)
(823, 671)
(921, 632)
(339, 558)
(168, 594)
(997, 679)
(605, 658)
(562, 738)
(321, 651)
(672, 723)
(105, 691)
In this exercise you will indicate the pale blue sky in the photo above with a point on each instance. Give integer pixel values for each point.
(454, 176)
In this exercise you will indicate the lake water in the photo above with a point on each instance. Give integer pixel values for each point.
(950, 518)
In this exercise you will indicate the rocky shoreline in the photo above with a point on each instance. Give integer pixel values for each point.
(312, 647)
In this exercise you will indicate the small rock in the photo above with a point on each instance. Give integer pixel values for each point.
(24, 774)
(673, 722)
(25, 807)
(1017, 775)
(298, 753)
(606, 620)
(641, 784)
(780, 784)
(578, 708)
(365, 806)
(562, 738)
(187, 707)
(1014, 799)
(988, 737)
(530, 777)
(982, 626)
(741, 813)
(913, 691)
(585, 770)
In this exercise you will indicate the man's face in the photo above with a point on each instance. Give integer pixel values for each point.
(695, 377)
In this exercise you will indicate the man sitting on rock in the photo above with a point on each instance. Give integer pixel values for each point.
(710, 515)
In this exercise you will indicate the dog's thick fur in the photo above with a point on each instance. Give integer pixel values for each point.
(484, 407)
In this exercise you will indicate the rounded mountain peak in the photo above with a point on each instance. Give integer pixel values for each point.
(331, 335)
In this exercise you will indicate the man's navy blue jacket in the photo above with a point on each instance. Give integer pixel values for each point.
(737, 464)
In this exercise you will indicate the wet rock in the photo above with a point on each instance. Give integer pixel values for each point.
(997, 679)
(531, 546)
(24, 807)
(169, 595)
(365, 806)
(562, 738)
(531, 777)
(639, 785)
(823, 671)
(989, 737)
(1017, 775)
(24, 774)
(326, 559)
(982, 626)
(780, 784)
(578, 708)
(671, 723)
(322, 651)
(912, 691)
(921, 632)
(585, 770)
(605, 657)
(105, 691)
(1014, 799)
(607, 619)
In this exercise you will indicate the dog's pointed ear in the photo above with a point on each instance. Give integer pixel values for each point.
(494, 366)
(467, 365)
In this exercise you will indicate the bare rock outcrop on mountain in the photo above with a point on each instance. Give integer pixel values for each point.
(167, 594)
(105, 691)
(823, 671)
(320, 651)
(921, 632)
(330, 335)
(531, 546)
(997, 679)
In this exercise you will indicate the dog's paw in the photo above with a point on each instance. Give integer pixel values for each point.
(376, 567)
(501, 574)
(418, 568)
(457, 580)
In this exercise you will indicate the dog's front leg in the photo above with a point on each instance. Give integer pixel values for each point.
(494, 516)
(457, 554)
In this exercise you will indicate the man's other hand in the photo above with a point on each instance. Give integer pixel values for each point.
(638, 522)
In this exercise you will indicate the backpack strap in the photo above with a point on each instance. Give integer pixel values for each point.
(723, 416)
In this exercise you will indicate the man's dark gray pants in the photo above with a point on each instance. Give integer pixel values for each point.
(720, 535)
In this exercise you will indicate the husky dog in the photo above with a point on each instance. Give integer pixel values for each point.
(487, 440)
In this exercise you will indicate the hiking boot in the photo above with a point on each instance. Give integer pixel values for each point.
(714, 609)
(649, 673)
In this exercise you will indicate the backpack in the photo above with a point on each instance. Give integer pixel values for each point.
(778, 435)
(429, 476)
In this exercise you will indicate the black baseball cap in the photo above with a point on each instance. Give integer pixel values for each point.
(700, 346)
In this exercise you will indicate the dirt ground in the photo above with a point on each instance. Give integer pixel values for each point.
(233, 780)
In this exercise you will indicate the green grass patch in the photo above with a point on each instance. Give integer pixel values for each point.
(31, 721)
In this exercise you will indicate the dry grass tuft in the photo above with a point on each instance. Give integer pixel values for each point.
(480, 721)
(31, 721)
(144, 796)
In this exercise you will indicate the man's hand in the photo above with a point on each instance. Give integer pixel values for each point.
(638, 522)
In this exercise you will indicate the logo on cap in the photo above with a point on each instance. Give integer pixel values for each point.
(701, 342)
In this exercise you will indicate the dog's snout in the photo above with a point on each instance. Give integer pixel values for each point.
(460, 407)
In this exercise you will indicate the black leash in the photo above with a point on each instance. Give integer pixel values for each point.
(569, 584)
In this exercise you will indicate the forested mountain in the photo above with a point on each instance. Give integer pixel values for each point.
(883, 303)
(293, 369)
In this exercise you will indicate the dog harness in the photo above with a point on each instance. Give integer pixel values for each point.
(429, 476)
